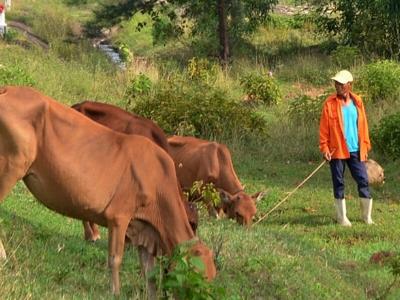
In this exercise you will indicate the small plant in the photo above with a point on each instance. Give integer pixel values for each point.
(346, 56)
(261, 88)
(206, 194)
(185, 280)
(386, 135)
(14, 75)
(139, 85)
(10, 35)
(202, 69)
(381, 80)
(125, 53)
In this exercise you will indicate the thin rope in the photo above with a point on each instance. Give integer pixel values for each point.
(291, 193)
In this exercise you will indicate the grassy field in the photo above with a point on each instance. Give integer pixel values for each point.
(297, 252)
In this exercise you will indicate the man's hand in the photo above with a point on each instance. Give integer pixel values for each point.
(327, 156)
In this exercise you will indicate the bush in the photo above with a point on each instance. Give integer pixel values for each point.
(386, 136)
(139, 85)
(381, 80)
(202, 69)
(261, 88)
(205, 111)
(14, 75)
(306, 109)
(184, 279)
(346, 56)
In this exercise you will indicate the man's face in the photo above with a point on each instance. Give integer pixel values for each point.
(342, 90)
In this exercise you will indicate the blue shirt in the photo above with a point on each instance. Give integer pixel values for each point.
(350, 118)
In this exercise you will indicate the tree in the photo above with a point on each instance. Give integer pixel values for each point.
(371, 25)
(226, 21)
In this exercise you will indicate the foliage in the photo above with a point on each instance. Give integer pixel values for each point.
(261, 88)
(124, 52)
(206, 194)
(381, 80)
(202, 69)
(297, 21)
(197, 18)
(363, 23)
(185, 280)
(205, 110)
(10, 35)
(346, 56)
(15, 75)
(386, 136)
(138, 85)
(306, 109)
(164, 28)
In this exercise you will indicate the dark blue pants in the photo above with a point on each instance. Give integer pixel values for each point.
(358, 172)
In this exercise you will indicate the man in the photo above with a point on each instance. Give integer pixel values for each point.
(344, 139)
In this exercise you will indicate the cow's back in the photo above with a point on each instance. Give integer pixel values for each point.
(197, 159)
(122, 121)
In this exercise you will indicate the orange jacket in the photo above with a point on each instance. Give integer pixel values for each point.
(331, 132)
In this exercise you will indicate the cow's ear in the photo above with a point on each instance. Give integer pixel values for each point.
(258, 196)
(225, 196)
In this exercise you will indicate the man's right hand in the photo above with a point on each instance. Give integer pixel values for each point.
(327, 156)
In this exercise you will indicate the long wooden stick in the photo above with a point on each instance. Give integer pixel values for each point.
(291, 193)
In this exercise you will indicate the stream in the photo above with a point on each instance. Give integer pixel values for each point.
(111, 52)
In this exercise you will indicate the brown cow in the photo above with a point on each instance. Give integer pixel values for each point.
(122, 121)
(86, 171)
(211, 162)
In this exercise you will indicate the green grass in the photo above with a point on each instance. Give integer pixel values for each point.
(298, 251)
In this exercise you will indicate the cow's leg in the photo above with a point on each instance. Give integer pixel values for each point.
(8, 179)
(147, 264)
(91, 231)
(116, 241)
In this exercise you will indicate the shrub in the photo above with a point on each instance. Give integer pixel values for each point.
(14, 75)
(346, 56)
(386, 136)
(202, 69)
(184, 279)
(138, 85)
(206, 111)
(306, 109)
(381, 80)
(124, 52)
(206, 194)
(261, 88)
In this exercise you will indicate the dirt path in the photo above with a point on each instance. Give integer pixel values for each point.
(33, 38)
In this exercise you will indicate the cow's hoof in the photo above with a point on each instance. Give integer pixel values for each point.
(93, 238)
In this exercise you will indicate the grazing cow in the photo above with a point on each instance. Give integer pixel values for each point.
(122, 121)
(211, 162)
(86, 171)
(376, 174)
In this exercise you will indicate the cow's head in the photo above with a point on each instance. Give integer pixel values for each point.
(207, 257)
(240, 206)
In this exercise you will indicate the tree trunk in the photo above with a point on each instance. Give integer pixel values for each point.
(223, 33)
